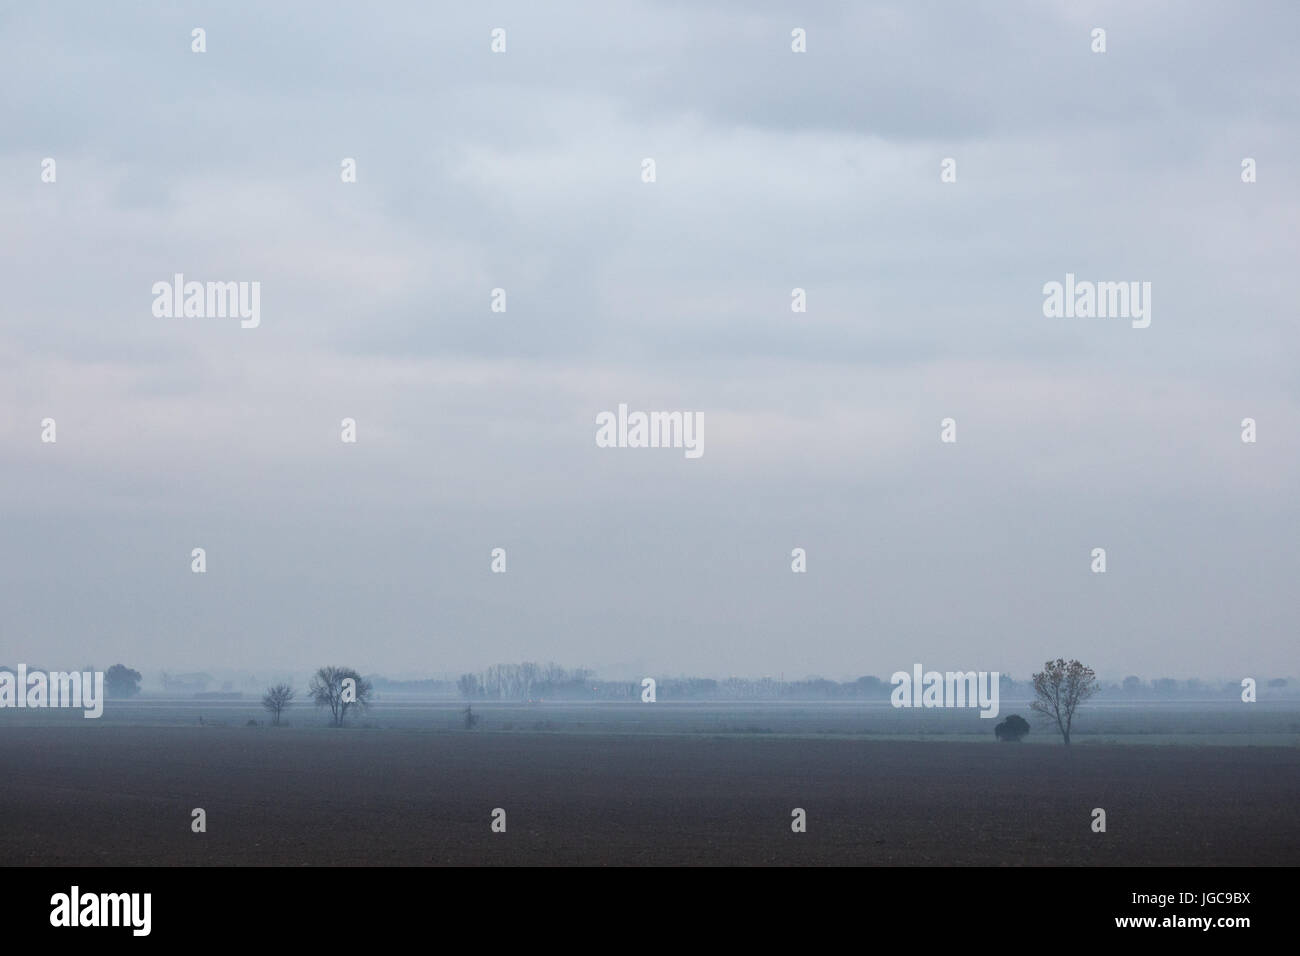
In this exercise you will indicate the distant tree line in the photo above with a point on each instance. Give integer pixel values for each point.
(431, 687)
(1193, 688)
(531, 681)
(119, 680)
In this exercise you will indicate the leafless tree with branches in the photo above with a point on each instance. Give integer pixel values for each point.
(276, 699)
(1061, 687)
(339, 689)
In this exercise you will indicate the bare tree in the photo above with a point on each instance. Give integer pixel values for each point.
(528, 676)
(469, 686)
(340, 688)
(1061, 687)
(276, 699)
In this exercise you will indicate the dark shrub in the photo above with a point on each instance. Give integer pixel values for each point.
(1012, 729)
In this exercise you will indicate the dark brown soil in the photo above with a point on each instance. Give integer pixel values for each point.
(124, 795)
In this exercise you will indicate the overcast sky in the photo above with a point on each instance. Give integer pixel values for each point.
(476, 429)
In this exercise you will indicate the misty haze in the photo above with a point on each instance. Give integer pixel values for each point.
(649, 434)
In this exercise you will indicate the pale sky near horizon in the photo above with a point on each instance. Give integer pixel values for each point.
(774, 170)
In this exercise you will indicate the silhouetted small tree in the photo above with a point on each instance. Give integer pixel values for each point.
(276, 699)
(1012, 729)
(1060, 688)
(339, 689)
(471, 718)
